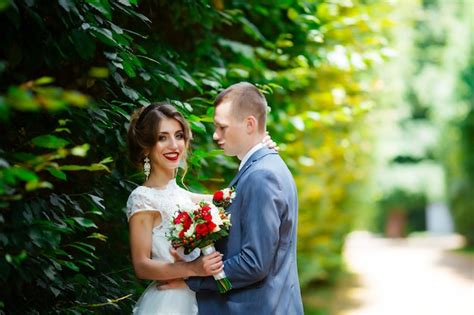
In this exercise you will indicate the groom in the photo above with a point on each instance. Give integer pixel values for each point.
(260, 252)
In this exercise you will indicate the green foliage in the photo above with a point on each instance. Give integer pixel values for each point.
(325, 130)
(411, 204)
(436, 72)
(462, 178)
(64, 179)
(461, 168)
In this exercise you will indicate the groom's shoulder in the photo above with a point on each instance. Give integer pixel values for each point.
(270, 171)
(268, 165)
(272, 161)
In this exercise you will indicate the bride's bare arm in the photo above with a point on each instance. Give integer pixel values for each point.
(141, 226)
(199, 197)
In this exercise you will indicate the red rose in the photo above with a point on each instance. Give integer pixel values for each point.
(187, 223)
(181, 217)
(206, 208)
(184, 219)
(211, 226)
(218, 195)
(207, 217)
(202, 229)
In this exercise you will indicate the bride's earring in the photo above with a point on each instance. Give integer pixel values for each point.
(146, 167)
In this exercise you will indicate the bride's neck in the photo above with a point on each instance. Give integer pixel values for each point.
(160, 179)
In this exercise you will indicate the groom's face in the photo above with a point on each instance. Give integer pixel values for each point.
(229, 130)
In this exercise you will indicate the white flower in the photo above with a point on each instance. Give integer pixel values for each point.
(190, 231)
(216, 218)
(228, 194)
(226, 221)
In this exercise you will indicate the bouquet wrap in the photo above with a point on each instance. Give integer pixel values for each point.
(223, 282)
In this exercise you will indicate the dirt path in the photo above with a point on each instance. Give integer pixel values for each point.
(416, 276)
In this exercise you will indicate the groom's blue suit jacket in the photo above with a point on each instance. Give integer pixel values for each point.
(260, 252)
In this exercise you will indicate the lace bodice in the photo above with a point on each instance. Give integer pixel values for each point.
(166, 201)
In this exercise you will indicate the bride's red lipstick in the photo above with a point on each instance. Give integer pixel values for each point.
(173, 157)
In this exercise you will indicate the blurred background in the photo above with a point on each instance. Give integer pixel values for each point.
(371, 102)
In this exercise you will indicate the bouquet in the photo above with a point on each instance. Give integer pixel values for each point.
(201, 226)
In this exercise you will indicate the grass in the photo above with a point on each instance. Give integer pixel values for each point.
(331, 299)
(465, 250)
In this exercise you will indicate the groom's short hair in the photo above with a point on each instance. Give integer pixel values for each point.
(246, 100)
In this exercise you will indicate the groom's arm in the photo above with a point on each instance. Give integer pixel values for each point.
(260, 234)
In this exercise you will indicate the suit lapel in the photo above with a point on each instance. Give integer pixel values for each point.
(255, 157)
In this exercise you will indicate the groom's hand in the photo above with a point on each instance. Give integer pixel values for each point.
(208, 265)
(172, 284)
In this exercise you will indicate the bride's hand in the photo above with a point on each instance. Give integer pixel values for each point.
(175, 255)
(269, 143)
(208, 265)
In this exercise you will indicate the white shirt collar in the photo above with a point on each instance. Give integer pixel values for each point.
(249, 154)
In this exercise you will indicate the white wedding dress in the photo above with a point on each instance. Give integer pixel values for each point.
(166, 201)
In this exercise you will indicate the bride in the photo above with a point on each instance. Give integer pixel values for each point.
(158, 138)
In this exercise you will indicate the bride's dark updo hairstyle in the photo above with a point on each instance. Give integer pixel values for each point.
(145, 127)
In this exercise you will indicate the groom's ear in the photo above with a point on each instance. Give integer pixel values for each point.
(251, 124)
